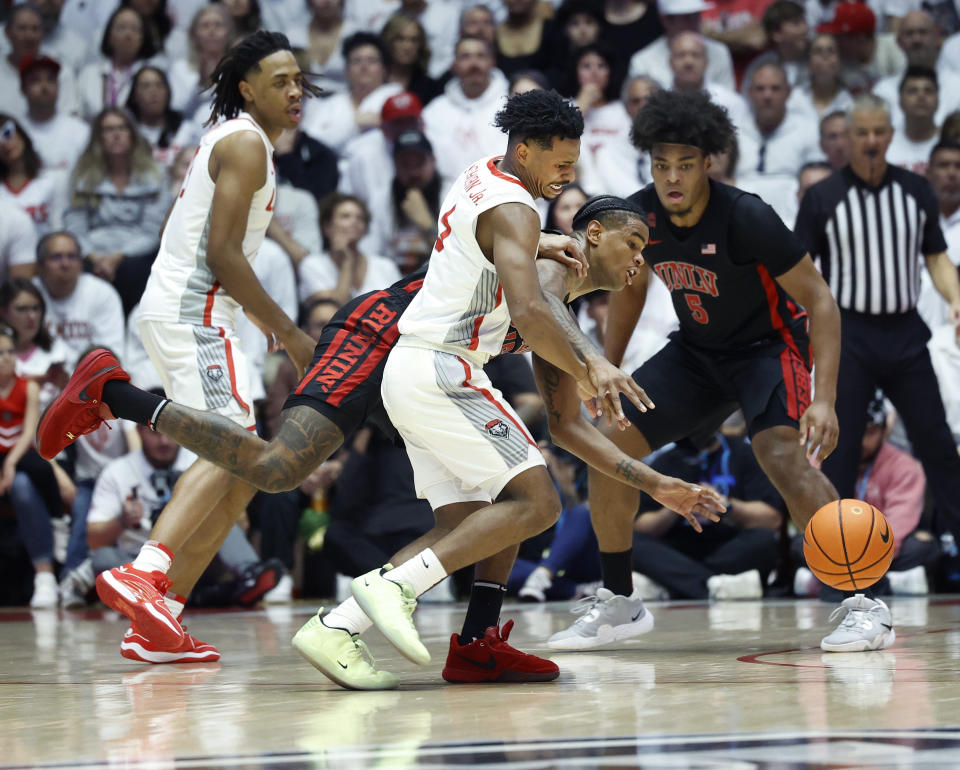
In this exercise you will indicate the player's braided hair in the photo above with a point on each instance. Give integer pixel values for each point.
(234, 66)
(539, 116)
(692, 119)
(609, 211)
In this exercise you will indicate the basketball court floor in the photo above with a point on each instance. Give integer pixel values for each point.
(727, 685)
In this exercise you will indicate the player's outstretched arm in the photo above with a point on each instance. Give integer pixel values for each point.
(570, 430)
(819, 429)
(238, 166)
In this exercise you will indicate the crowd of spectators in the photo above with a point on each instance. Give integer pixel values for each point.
(103, 104)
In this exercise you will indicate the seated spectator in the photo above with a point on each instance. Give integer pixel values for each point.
(893, 482)
(58, 137)
(779, 190)
(786, 28)
(408, 226)
(295, 224)
(128, 497)
(27, 478)
(577, 23)
(246, 16)
(42, 357)
(157, 121)
(24, 31)
(336, 119)
(18, 244)
(688, 65)
(810, 174)
(106, 82)
(863, 59)
(409, 57)
(777, 141)
(306, 163)
(343, 271)
(944, 175)
(730, 559)
(26, 185)
(919, 98)
(682, 16)
(562, 209)
(738, 24)
(82, 310)
(60, 40)
(835, 139)
(632, 25)
(118, 204)
(522, 81)
(823, 93)
(459, 123)
(521, 38)
(159, 23)
(322, 42)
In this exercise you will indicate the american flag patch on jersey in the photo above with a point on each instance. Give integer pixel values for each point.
(708, 248)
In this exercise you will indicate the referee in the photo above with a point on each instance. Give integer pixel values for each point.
(869, 223)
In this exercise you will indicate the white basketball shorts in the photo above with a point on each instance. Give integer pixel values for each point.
(465, 442)
(202, 367)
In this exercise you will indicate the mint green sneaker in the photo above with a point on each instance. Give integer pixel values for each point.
(341, 656)
(390, 605)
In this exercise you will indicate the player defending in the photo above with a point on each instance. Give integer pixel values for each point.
(201, 278)
(740, 281)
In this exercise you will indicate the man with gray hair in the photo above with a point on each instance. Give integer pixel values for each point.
(869, 224)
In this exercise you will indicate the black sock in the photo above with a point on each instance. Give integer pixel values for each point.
(617, 571)
(128, 402)
(486, 599)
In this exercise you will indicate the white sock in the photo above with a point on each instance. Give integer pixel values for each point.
(153, 557)
(349, 617)
(422, 572)
(174, 603)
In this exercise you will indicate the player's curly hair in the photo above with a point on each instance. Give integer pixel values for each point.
(669, 117)
(539, 116)
(234, 66)
(609, 210)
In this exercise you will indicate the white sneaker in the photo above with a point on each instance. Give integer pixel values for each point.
(45, 591)
(911, 582)
(647, 589)
(536, 585)
(75, 585)
(390, 605)
(341, 656)
(743, 585)
(282, 592)
(866, 625)
(606, 619)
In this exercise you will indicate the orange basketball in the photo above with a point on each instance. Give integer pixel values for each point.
(848, 544)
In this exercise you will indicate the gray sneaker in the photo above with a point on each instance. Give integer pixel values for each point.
(866, 625)
(605, 620)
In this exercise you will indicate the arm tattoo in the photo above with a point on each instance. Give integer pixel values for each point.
(549, 382)
(579, 341)
(632, 472)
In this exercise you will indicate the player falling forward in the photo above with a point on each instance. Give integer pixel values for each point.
(740, 281)
(200, 280)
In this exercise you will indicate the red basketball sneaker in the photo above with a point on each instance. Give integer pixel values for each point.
(137, 646)
(491, 659)
(139, 596)
(79, 409)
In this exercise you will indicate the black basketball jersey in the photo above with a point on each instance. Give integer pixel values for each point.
(721, 272)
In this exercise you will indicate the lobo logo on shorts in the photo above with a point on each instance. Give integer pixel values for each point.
(215, 372)
(497, 429)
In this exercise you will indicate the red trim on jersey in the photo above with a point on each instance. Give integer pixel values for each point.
(413, 286)
(770, 289)
(348, 327)
(498, 173)
(475, 337)
(363, 372)
(489, 396)
(232, 370)
(796, 379)
(208, 305)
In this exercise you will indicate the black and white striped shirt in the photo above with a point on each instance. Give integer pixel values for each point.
(870, 240)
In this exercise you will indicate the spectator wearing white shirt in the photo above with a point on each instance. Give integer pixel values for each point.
(106, 81)
(682, 16)
(688, 64)
(24, 31)
(343, 271)
(835, 139)
(459, 124)
(82, 310)
(409, 57)
(60, 40)
(786, 28)
(24, 183)
(778, 142)
(18, 245)
(321, 38)
(919, 99)
(58, 137)
(336, 119)
(157, 121)
(210, 34)
(943, 172)
(823, 93)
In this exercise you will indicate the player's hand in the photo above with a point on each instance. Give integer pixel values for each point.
(273, 339)
(692, 501)
(819, 430)
(565, 250)
(299, 346)
(609, 382)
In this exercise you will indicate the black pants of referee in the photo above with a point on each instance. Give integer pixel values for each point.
(890, 352)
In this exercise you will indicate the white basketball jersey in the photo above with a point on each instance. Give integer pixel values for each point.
(461, 303)
(182, 288)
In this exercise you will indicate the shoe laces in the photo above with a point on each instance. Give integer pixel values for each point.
(162, 582)
(855, 616)
(589, 607)
(407, 598)
(362, 653)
